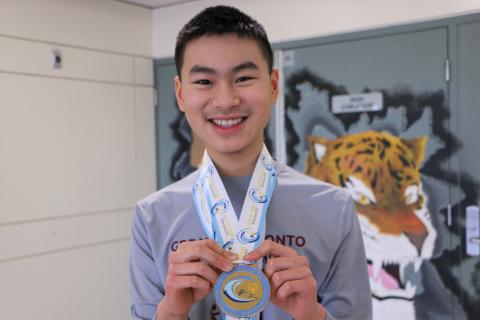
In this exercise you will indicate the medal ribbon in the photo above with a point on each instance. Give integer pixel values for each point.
(215, 210)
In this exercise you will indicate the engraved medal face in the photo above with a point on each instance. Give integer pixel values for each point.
(242, 292)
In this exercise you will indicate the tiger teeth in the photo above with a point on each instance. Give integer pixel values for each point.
(417, 264)
(376, 267)
(227, 123)
(410, 289)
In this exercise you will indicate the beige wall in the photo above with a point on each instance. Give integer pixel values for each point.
(76, 152)
(287, 20)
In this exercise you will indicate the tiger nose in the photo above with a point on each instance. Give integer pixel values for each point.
(415, 230)
(417, 239)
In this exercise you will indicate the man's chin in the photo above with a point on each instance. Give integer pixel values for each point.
(231, 147)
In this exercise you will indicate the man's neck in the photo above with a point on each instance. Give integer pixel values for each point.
(236, 163)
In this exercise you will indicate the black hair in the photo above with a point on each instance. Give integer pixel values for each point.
(220, 20)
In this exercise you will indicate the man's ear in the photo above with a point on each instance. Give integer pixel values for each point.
(274, 84)
(178, 93)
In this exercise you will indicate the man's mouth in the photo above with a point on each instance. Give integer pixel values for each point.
(227, 123)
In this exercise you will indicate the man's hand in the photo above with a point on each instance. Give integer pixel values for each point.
(293, 287)
(192, 272)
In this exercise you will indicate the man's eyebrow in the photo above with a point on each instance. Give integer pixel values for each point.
(244, 66)
(201, 69)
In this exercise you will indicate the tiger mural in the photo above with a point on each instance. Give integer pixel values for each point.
(382, 173)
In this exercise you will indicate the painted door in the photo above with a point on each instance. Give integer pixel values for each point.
(173, 134)
(465, 162)
(370, 114)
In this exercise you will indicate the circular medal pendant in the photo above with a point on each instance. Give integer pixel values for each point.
(242, 292)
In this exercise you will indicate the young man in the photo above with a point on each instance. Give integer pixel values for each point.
(226, 87)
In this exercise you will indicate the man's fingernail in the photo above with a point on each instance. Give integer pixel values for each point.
(232, 255)
(227, 266)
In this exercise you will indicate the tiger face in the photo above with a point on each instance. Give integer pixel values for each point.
(381, 172)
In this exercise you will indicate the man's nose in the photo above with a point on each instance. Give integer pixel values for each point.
(225, 97)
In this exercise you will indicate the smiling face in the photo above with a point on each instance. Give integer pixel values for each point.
(227, 92)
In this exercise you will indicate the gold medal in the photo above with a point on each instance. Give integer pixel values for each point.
(242, 292)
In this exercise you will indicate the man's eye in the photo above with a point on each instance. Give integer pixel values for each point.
(203, 82)
(243, 79)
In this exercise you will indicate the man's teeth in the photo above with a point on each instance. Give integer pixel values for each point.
(227, 123)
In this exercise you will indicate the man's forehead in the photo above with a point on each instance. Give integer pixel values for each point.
(227, 52)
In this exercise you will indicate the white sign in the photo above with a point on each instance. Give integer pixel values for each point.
(362, 102)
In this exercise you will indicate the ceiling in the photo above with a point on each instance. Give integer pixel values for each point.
(152, 4)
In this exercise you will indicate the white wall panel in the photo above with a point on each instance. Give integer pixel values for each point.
(106, 24)
(143, 71)
(286, 20)
(37, 58)
(76, 152)
(67, 147)
(33, 238)
(145, 141)
(86, 283)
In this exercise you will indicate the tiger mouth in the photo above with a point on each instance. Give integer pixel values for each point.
(388, 274)
(387, 279)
